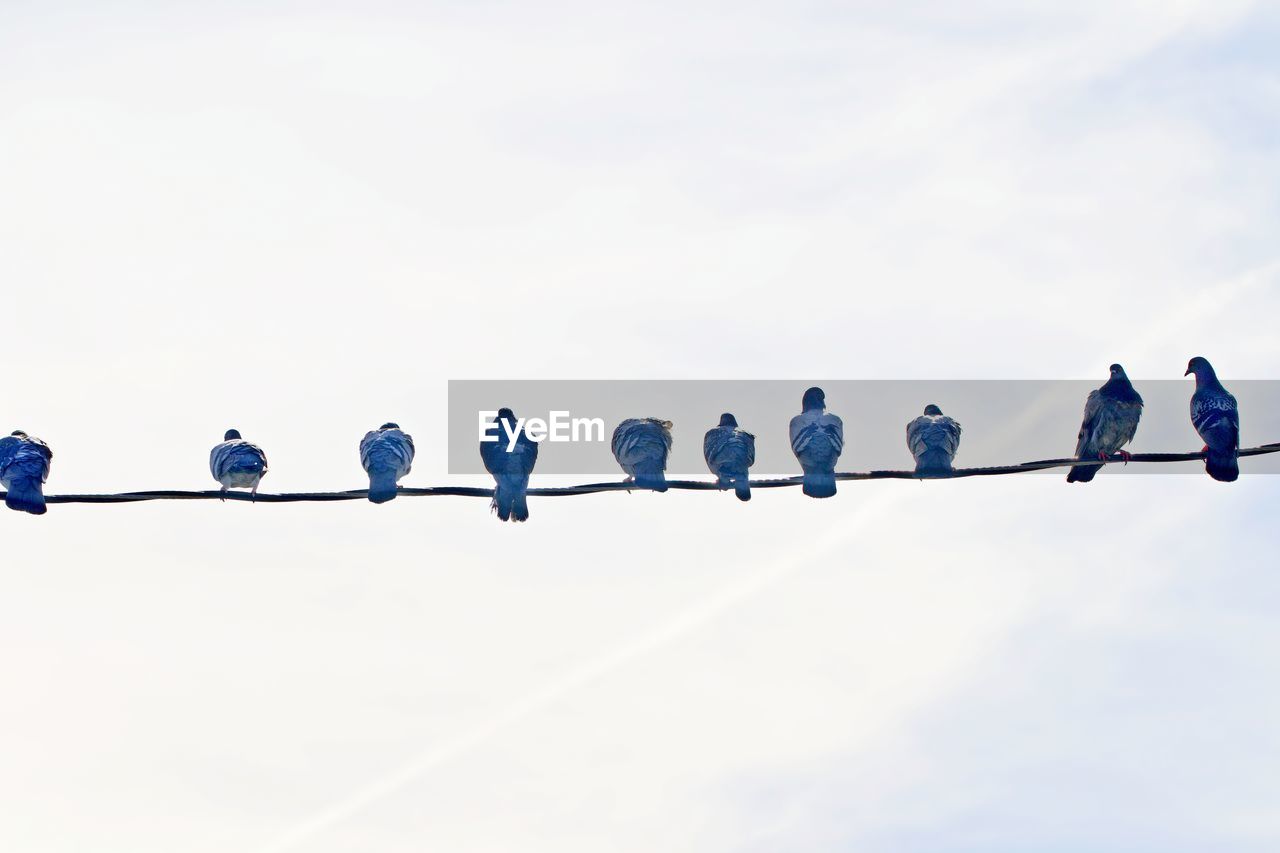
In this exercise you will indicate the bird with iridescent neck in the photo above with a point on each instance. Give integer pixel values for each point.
(641, 446)
(387, 455)
(24, 467)
(237, 464)
(1216, 417)
(1111, 415)
(510, 459)
(933, 439)
(730, 451)
(817, 438)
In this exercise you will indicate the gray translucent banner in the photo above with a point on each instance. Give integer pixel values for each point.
(1005, 421)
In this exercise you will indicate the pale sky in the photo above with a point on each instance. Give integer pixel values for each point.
(301, 220)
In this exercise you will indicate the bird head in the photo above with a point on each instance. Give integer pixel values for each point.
(664, 424)
(231, 435)
(1199, 366)
(728, 420)
(505, 414)
(932, 409)
(19, 433)
(1117, 372)
(814, 398)
(389, 425)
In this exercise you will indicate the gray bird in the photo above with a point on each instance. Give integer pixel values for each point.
(1216, 417)
(24, 467)
(1111, 415)
(641, 446)
(237, 464)
(510, 464)
(933, 439)
(817, 439)
(730, 451)
(387, 455)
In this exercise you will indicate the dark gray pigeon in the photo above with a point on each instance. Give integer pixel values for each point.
(817, 439)
(510, 463)
(641, 446)
(1216, 417)
(730, 451)
(933, 439)
(387, 455)
(237, 464)
(1111, 415)
(24, 467)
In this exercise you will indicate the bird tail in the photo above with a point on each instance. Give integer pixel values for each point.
(933, 463)
(651, 477)
(509, 499)
(1222, 465)
(819, 484)
(1082, 473)
(382, 486)
(26, 495)
(742, 488)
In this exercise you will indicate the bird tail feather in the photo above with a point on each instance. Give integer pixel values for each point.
(382, 486)
(651, 477)
(509, 499)
(26, 495)
(1222, 465)
(933, 463)
(742, 488)
(819, 484)
(1082, 473)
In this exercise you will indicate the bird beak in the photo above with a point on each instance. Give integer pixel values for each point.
(1188, 373)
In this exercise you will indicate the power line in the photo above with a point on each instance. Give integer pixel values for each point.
(621, 486)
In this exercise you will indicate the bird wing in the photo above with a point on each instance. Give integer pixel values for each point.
(1092, 406)
(1216, 417)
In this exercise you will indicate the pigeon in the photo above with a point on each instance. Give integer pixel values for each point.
(933, 439)
(237, 464)
(1217, 418)
(729, 452)
(24, 466)
(817, 439)
(387, 455)
(641, 446)
(1111, 416)
(510, 466)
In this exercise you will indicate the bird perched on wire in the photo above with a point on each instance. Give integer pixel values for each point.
(387, 455)
(730, 451)
(1216, 417)
(641, 446)
(24, 467)
(510, 459)
(237, 464)
(817, 439)
(1111, 415)
(933, 439)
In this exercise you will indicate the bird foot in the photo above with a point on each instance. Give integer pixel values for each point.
(223, 498)
(1103, 457)
(1126, 456)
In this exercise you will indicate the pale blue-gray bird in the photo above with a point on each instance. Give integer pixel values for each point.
(24, 467)
(1216, 417)
(1111, 415)
(933, 439)
(641, 446)
(387, 455)
(817, 439)
(237, 464)
(510, 459)
(730, 451)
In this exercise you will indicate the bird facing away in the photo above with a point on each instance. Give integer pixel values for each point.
(510, 464)
(387, 455)
(730, 451)
(817, 439)
(641, 446)
(933, 439)
(1216, 417)
(237, 464)
(24, 466)
(1111, 415)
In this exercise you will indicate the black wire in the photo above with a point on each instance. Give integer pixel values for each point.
(593, 488)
